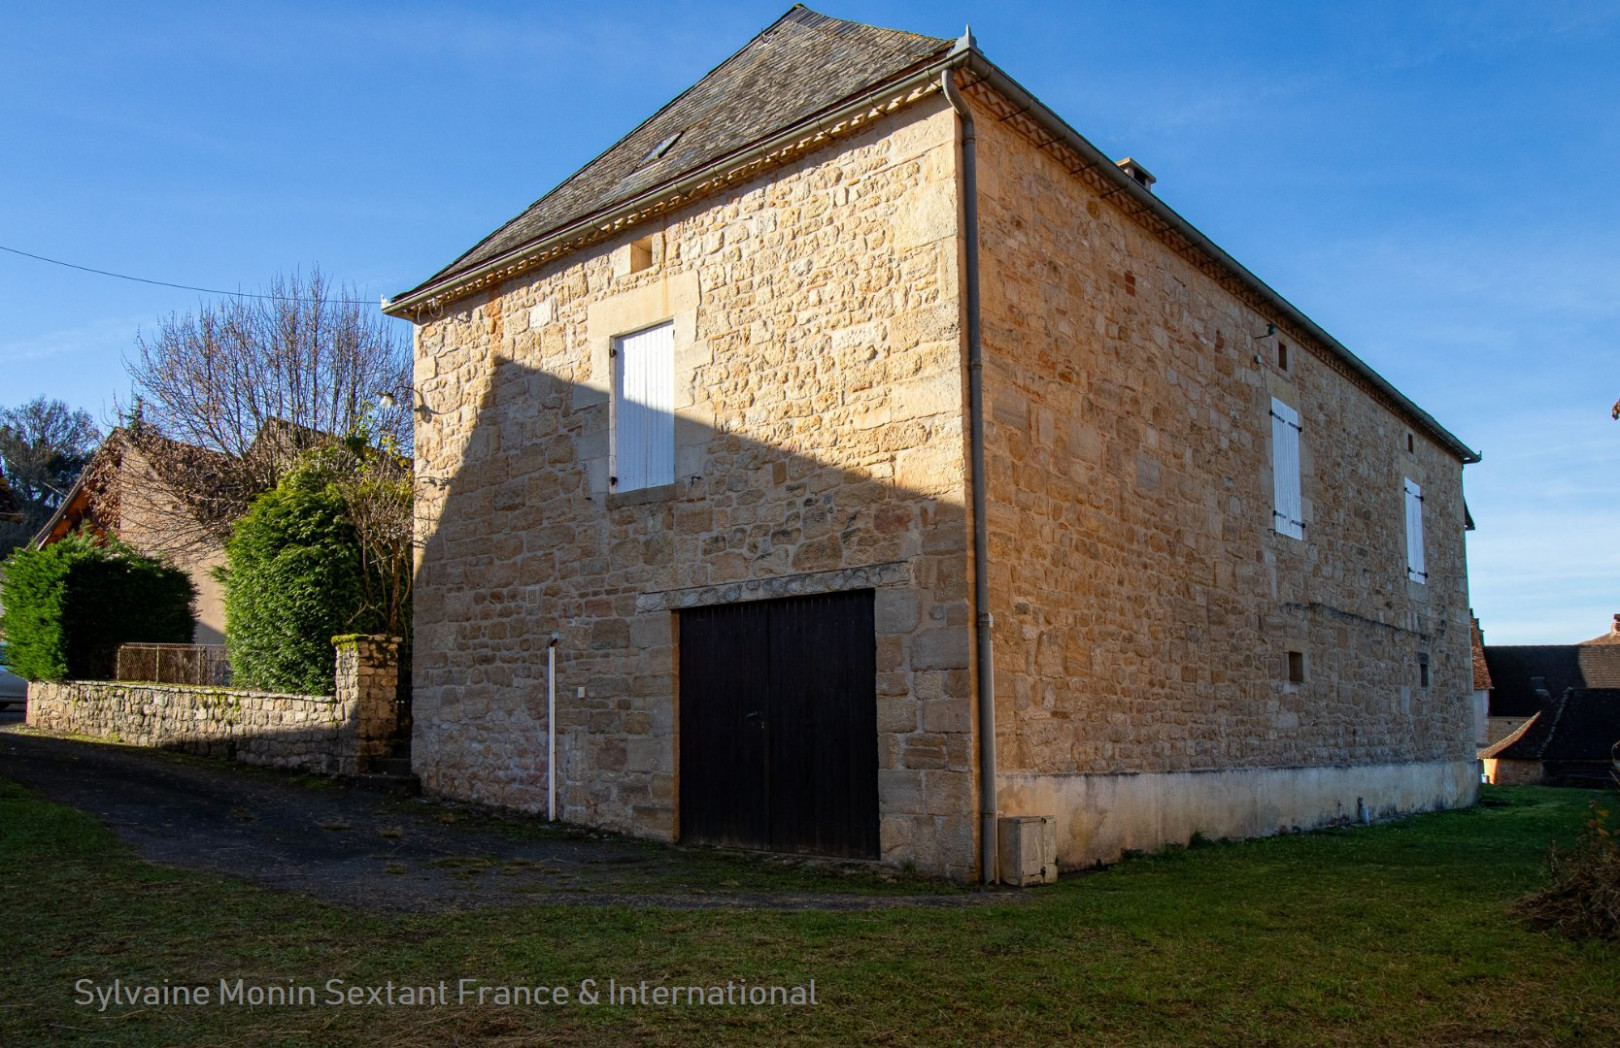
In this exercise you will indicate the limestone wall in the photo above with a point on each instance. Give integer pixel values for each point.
(147, 514)
(819, 445)
(1513, 772)
(338, 734)
(366, 698)
(1499, 728)
(1145, 609)
(1145, 606)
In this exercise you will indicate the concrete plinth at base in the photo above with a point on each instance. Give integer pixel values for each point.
(1100, 817)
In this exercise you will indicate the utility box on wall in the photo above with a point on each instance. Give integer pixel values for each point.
(1028, 850)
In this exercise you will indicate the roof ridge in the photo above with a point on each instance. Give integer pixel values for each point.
(878, 53)
(816, 20)
(611, 146)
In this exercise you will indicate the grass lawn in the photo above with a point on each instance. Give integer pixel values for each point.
(1391, 934)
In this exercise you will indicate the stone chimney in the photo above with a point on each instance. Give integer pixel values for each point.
(1143, 177)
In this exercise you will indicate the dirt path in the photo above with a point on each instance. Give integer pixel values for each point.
(371, 850)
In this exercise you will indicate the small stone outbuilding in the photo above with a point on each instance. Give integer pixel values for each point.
(1573, 741)
(122, 493)
(877, 459)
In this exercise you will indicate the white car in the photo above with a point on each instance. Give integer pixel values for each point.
(13, 689)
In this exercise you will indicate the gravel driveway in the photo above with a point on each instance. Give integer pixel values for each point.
(372, 850)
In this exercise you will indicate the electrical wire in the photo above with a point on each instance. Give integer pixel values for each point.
(185, 287)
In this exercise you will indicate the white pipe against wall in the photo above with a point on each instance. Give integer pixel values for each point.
(551, 729)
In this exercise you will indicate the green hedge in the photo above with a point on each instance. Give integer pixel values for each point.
(70, 605)
(293, 579)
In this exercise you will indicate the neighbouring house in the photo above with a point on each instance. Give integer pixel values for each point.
(120, 493)
(124, 491)
(891, 474)
(1573, 741)
(1526, 678)
(1482, 684)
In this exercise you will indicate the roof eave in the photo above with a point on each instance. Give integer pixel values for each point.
(1497, 748)
(42, 536)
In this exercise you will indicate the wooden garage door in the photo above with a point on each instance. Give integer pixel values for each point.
(778, 705)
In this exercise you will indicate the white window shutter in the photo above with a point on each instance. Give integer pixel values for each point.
(1414, 533)
(644, 418)
(1288, 506)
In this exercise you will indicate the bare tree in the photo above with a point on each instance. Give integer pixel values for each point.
(228, 396)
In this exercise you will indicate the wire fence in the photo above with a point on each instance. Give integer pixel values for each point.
(175, 664)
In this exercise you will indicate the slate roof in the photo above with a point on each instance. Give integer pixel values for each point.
(1582, 724)
(1513, 668)
(1611, 637)
(89, 499)
(800, 65)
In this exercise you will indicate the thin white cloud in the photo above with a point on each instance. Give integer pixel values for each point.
(106, 335)
(1543, 566)
(1491, 26)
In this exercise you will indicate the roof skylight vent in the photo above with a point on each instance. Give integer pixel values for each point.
(661, 148)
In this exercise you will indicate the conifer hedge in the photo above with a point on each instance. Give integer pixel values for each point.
(294, 578)
(70, 605)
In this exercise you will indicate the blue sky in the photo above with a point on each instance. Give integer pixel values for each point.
(1431, 182)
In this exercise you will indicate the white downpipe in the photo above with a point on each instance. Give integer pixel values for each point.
(551, 729)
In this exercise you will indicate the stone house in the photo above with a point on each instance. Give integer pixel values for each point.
(878, 461)
(1527, 678)
(121, 493)
(1574, 740)
(128, 490)
(1482, 684)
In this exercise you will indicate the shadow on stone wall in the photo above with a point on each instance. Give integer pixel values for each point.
(520, 539)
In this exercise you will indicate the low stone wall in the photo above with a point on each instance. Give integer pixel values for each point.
(367, 693)
(342, 734)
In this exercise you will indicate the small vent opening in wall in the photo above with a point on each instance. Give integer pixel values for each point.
(641, 254)
(1296, 667)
